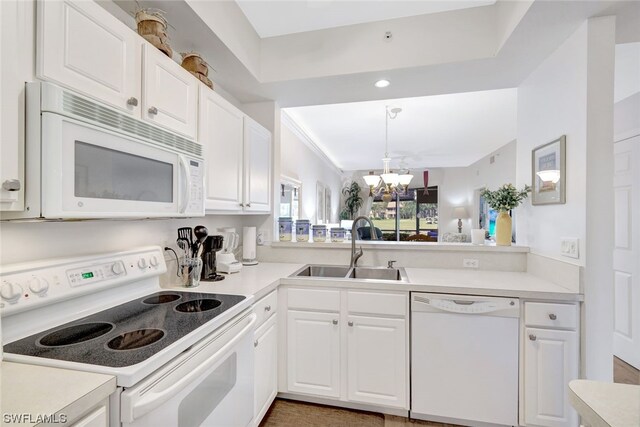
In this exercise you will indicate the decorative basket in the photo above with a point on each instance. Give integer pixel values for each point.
(193, 62)
(152, 26)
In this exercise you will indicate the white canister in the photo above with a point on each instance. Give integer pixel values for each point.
(477, 236)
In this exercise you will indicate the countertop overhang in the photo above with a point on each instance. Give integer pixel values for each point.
(603, 404)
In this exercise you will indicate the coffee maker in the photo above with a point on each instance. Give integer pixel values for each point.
(211, 245)
(226, 259)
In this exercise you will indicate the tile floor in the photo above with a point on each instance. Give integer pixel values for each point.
(625, 373)
(288, 413)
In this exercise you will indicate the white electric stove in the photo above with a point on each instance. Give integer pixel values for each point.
(180, 358)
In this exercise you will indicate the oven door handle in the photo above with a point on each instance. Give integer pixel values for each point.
(185, 193)
(150, 400)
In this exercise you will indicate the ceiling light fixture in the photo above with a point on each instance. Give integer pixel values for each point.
(382, 83)
(391, 181)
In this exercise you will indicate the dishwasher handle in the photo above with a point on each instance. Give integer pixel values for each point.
(459, 304)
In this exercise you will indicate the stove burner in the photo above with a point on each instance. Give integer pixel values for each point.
(135, 339)
(198, 305)
(161, 299)
(75, 334)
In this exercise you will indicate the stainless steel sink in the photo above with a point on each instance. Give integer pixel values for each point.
(356, 273)
(323, 271)
(375, 273)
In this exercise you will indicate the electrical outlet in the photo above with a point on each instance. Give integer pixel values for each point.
(569, 247)
(470, 263)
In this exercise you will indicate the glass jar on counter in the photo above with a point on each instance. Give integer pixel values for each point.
(302, 230)
(285, 224)
(337, 234)
(319, 233)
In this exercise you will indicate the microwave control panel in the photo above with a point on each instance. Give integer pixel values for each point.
(196, 192)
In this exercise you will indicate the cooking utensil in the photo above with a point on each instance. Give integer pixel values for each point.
(201, 234)
(186, 233)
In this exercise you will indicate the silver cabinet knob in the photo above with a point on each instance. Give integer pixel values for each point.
(133, 101)
(11, 185)
(335, 322)
(242, 205)
(552, 316)
(390, 264)
(267, 308)
(153, 110)
(255, 343)
(350, 323)
(248, 205)
(532, 337)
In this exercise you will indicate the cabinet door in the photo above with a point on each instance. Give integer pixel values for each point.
(82, 46)
(266, 367)
(550, 362)
(257, 163)
(377, 361)
(313, 353)
(221, 135)
(96, 418)
(170, 96)
(17, 29)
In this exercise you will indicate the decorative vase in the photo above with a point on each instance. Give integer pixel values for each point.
(503, 229)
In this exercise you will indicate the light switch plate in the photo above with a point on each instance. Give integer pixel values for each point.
(569, 247)
(470, 263)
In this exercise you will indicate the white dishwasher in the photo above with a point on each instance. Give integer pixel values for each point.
(464, 359)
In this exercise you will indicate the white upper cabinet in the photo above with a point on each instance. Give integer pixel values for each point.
(257, 158)
(170, 95)
(82, 46)
(16, 66)
(221, 133)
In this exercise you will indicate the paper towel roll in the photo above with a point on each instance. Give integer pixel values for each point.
(249, 246)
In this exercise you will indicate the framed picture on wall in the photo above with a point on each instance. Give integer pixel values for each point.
(548, 175)
(320, 204)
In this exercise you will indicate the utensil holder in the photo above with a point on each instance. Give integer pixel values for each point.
(190, 271)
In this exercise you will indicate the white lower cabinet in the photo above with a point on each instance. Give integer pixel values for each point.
(346, 345)
(376, 360)
(313, 352)
(551, 361)
(99, 417)
(266, 367)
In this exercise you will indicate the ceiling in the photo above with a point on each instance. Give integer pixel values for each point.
(275, 18)
(431, 131)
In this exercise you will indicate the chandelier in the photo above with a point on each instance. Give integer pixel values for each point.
(388, 182)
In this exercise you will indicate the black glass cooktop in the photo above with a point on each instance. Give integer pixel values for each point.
(129, 333)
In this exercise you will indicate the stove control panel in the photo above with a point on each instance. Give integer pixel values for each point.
(30, 285)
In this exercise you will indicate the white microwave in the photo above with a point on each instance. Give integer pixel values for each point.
(96, 162)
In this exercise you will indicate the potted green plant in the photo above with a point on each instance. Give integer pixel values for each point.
(503, 200)
(352, 200)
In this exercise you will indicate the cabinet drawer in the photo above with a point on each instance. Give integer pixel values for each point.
(551, 315)
(265, 308)
(314, 299)
(385, 303)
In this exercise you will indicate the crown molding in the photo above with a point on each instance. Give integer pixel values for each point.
(298, 131)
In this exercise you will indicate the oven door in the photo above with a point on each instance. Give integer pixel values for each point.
(90, 172)
(209, 385)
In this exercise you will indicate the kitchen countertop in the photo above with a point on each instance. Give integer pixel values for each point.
(39, 390)
(261, 279)
(603, 404)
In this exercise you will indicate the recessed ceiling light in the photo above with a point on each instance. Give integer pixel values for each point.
(382, 83)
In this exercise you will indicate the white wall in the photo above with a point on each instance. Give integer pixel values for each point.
(571, 93)
(300, 162)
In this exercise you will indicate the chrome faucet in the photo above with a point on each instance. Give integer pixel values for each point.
(355, 255)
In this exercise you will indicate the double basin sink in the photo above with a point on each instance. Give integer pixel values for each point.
(356, 273)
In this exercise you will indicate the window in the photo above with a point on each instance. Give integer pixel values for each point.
(411, 214)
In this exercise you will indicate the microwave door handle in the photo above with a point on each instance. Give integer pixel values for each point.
(185, 196)
(151, 400)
